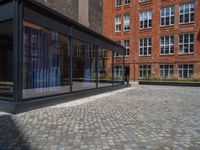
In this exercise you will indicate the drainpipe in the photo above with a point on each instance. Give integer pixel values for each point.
(134, 34)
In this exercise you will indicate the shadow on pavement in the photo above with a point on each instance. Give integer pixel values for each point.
(10, 136)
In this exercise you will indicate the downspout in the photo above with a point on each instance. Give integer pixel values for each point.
(135, 37)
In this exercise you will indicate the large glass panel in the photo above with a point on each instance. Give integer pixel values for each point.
(105, 67)
(45, 62)
(83, 66)
(118, 70)
(6, 58)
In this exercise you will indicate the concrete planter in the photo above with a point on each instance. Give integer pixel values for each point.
(169, 83)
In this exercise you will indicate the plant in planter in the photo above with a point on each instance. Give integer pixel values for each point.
(196, 77)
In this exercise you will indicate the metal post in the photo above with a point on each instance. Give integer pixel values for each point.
(17, 50)
(123, 66)
(135, 36)
(70, 63)
(113, 67)
(97, 67)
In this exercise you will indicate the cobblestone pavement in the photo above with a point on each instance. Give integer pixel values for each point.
(136, 118)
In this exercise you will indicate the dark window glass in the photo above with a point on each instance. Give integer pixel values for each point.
(6, 58)
(45, 62)
(84, 67)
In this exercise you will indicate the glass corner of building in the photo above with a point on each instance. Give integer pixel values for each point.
(38, 60)
(6, 51)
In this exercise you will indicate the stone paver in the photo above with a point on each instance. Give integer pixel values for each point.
(136, 118)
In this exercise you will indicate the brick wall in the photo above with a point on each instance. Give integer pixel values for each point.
(70, 8)
(110, 11)
(96, 15)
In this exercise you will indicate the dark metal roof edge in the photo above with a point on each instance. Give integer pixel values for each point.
(73, 23)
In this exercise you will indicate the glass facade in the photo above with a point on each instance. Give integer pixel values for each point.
(83, 66)
(105, 67)
(45, 61)
(118, 70)
(6, 58)
(46, 64)
(44, 55)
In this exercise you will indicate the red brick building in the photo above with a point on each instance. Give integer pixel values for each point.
(164, 36)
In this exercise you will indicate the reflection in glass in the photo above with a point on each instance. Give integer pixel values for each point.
(118, 70)
(83, 66)
(6, 58)
(45, 62)
(105, 68)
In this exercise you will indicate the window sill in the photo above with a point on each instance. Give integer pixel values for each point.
(162, 55)
(180, 54)
(126, 31)
(127, 5)
(145, 30)
(146, 3)
(167, 26)
(145, 55)
(117, 32)
(117, 7)
(187, 24)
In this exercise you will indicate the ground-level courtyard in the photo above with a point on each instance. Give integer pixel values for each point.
(136, 118)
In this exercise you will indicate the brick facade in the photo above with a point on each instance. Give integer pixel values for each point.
(155, 59)
(71, 8)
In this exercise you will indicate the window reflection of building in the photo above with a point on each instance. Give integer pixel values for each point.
(6, 58)
(45, 61)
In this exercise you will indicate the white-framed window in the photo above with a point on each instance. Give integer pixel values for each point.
(186, 43)
(78, 50)
(185, 71)
(118, 72)
(127, 47)
(115, 53)
(145, 47)
(166, 70)
(126, 2)
(187, 12)
(144, 71)
(102, 53)
(118, 23)
(34, 38)
(118, 3)
(167, 16)
(126, 22)
(146, 19)
(166, 45)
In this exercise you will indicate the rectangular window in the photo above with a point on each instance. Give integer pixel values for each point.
(145, 71)
(118, 72)
(186, 43)
(118, 3)
(6, 58)
(126, 2)
(187, 12)
(45, 61)
(145, 47)
(102, 53)
(167, 16)
(118, 23)
(145, 19)
(166, 71)
(127, 46)
(126, 22)
(166, 45)
(115, 53)
(185, 71)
